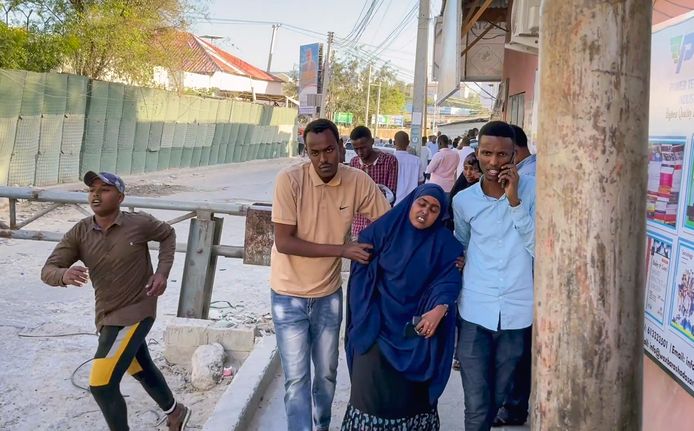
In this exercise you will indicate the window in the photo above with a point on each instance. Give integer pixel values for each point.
(517, 112)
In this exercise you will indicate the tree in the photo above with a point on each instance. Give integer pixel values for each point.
(291, 87)
(348, 87)
(107, 38)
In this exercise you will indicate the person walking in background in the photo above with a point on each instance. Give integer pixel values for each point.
(525, 162)
(312, 210)
(433, 147)
(399, 336)
(443, 165)
(410, 167)
(494, 220)
(382, 167)
(113, 246)
(464, 149)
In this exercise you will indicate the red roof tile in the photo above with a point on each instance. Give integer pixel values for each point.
(200, 56)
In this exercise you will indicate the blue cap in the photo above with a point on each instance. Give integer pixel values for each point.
(107, 178)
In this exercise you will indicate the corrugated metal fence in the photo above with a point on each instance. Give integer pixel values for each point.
(55, 127)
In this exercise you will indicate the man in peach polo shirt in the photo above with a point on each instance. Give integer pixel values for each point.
(312, 211)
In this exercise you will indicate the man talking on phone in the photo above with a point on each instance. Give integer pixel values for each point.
(494, 220)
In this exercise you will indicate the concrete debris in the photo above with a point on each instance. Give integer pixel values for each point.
(208, 366)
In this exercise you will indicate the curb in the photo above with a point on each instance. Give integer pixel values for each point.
(238, 404)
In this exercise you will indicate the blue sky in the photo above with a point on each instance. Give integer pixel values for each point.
(251, 41)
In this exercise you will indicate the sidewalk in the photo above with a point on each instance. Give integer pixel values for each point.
(270, 414)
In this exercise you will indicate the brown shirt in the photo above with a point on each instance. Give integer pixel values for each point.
(323, 214)
(119, 264)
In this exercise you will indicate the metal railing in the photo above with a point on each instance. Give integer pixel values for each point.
(202, 248)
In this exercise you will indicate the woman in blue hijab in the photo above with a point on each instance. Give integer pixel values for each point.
(400, 335)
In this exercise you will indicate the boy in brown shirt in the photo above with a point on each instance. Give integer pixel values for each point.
(113, 246)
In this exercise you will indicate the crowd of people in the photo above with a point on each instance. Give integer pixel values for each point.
(442, 271)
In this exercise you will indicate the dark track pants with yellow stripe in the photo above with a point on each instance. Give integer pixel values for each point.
(121, 349)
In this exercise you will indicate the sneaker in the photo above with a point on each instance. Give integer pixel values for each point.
(505, 418)
(178, 419)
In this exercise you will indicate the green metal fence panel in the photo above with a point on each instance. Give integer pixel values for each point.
(108, 161)
(55, 94)
(48, 157)
(178, 144)
(116, 96)
(90, 162)
(26, 147)
(167, 135)
(98, 97)
(138, 163)
(189, 144)
(241, 146)
(33, 94)
(154, 149)
(94, 135)
(76, 103)
(8, 131)
(131, 97)
(11, 89)
(156, 135)
(230, 141)
(126, 142)
(142, 131)
(111, 132)
(164, 160)
(167, 142)
(71, 142)
(151, 161)
(142, 135)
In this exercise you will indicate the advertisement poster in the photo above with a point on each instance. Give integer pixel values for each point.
(682, 308)
(669, 293)
(665, 159)
(309, 77)
(658, 258)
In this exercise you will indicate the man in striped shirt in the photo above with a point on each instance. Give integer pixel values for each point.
(382, 167)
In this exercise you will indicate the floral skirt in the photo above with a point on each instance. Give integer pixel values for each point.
(382, 399)
(356, 420)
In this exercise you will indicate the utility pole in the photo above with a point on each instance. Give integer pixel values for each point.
(590, 220)
(378, 108)
(272, 46)
(326, 77)
(368, 96)
(419, 89)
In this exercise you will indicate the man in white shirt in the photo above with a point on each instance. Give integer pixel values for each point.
(433, 147)
(410, 168)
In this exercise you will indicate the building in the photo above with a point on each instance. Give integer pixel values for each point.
(200, 65)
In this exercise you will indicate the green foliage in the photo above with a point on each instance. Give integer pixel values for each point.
(349, 82)
(30, 50)
(98, 38)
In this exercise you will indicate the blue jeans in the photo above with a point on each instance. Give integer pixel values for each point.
(488, 361)
(308, 329)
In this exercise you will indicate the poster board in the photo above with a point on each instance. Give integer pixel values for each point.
(669, 292)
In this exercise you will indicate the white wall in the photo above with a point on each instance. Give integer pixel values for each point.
(221, 80)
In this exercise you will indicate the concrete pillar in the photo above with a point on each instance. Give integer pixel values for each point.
(592, 173)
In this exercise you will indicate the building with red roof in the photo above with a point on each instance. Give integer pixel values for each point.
(199, 65)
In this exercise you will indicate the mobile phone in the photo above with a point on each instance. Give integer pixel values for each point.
(411, 327)
(513, 161)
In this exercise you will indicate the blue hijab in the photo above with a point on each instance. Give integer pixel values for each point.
(410, 272)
